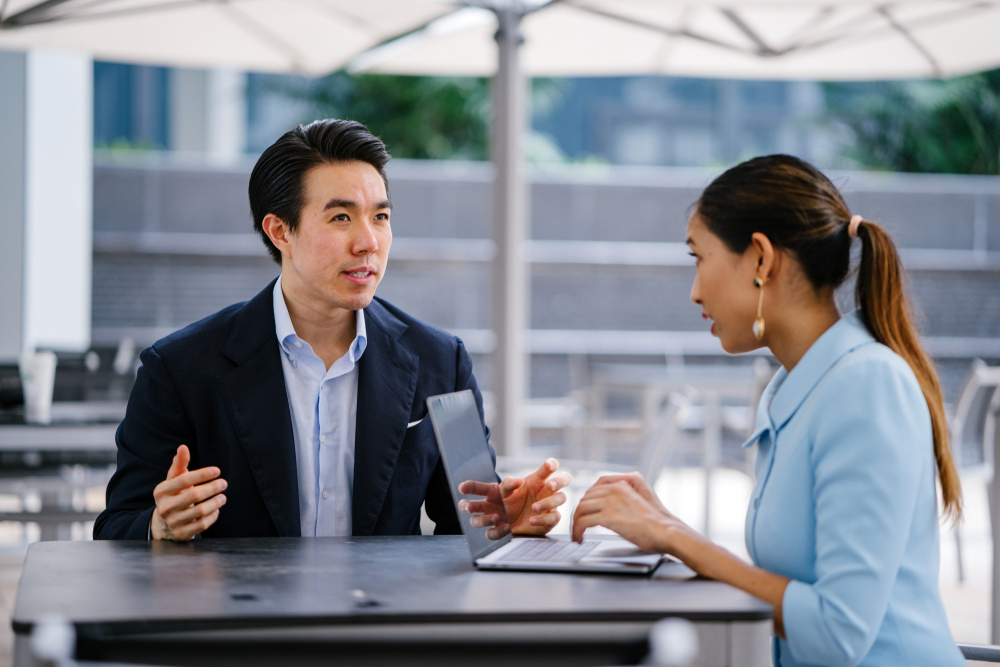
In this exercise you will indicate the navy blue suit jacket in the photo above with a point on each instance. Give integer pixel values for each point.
(218, 387)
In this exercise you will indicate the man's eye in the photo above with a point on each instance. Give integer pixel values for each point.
(341, 216)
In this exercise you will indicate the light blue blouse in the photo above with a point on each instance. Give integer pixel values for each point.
(845, 505)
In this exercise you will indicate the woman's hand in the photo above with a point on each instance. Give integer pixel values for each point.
(639, 484)
(627, 505)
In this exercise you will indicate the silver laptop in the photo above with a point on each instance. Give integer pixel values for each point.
(466, 456)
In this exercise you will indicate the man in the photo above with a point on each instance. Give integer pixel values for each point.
(306, 404)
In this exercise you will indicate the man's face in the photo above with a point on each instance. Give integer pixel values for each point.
(339, 250)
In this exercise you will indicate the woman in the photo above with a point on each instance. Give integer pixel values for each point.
(843, 524)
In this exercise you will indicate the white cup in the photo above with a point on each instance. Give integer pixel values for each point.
(38, 378)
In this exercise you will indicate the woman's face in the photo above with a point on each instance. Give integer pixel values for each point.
(724, 287)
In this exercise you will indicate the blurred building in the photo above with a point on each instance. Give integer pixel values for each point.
(689, 122)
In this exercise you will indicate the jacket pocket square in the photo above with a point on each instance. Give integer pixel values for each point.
(412, 424)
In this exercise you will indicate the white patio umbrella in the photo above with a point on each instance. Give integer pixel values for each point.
(746, 39)
(313, 37)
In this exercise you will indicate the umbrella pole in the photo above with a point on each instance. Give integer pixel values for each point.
(510, 232)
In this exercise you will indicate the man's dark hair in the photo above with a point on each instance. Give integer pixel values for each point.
(277, 180)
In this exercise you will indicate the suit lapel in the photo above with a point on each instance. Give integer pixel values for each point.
(387, 383)
(255, 397)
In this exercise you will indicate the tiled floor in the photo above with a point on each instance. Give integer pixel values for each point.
(10, 572)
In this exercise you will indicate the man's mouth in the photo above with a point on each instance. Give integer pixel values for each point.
(361, 276)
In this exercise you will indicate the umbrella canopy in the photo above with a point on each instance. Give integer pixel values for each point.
(768, 39)
(761, 39)
(311, 37)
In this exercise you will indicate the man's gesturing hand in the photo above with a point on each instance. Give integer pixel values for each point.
(524, 506)
(186, 502)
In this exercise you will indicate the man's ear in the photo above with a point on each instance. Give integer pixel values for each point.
(277, 230)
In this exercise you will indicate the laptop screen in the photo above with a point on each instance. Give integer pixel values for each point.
(466, 456)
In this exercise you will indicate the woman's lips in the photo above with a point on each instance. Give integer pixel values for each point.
(713, 328)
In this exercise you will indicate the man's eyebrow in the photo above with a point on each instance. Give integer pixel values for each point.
(349, 203)
(340, 203)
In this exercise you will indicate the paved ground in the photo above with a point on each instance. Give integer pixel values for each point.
(967, 602)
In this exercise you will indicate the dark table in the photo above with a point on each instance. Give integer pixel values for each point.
(362, 601)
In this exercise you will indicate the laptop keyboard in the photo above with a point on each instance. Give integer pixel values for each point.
(547, 551)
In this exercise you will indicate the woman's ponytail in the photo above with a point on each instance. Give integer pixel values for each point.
(881, 297)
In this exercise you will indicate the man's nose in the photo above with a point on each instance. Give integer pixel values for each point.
(365, 243)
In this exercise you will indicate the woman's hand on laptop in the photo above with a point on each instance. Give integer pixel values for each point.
(627, 505)
(522, 505)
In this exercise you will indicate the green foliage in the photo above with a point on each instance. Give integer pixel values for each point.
(940, 126)
(418, 117)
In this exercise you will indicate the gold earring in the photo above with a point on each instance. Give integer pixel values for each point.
(758, 324)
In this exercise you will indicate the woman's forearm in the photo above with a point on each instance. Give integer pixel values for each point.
(712, 561)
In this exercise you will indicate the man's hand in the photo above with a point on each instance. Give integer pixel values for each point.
(187, 503)
(524, 506)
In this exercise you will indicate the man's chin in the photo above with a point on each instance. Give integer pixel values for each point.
(357, 301)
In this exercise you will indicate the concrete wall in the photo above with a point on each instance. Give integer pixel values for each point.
(605, 254)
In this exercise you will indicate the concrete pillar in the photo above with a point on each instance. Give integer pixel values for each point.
(208, 113)
(729, 119)
(12, 81)
(46, 172)
(510, 233)
(187, 94)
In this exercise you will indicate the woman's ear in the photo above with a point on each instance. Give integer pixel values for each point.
(765, 256)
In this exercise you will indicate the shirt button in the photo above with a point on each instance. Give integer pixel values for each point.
(322, 438)
(298, 343)
(326, 494)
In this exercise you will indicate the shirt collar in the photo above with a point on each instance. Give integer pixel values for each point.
(792, 388)
(360, 338)
(786, 391)
(286, 332)
(282, 321)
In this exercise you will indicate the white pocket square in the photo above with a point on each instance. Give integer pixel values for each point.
(412, 424)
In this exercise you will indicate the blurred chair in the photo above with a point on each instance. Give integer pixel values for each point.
(679, 411)
(970, 422)
(54, 501)
(980, 652)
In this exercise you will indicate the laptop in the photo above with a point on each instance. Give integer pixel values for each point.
(466, 456)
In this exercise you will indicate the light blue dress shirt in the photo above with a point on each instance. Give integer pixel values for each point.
(324, 407)
(845, 505)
